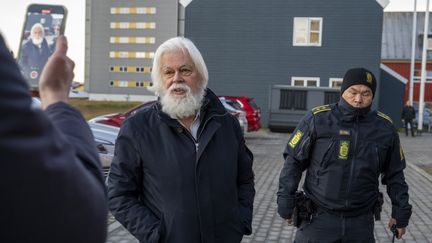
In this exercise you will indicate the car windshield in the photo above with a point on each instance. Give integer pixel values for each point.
(234, 104)
(253, 104)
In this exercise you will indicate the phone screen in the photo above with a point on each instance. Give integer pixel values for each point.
(42, 25)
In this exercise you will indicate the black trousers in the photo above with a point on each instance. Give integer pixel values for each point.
(328, 228)
(406, 127)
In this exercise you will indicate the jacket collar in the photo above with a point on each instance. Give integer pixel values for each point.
(350, 113)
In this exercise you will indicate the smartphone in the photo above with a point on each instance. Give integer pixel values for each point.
(42, 25)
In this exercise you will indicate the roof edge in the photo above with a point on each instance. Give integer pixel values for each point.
(383, 3)
(390, 71)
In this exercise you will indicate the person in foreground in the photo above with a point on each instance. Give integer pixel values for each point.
(344, 147)
(51, 181)
(181, 170)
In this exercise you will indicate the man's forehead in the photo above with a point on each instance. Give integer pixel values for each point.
(360, 88)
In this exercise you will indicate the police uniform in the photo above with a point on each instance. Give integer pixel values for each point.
(344, 150)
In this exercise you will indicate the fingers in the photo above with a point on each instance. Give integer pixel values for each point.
(401, 232)
(61, 45)
(289, 221)
(391, 222)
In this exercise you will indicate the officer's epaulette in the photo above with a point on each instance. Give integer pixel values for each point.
(379, 113)
(321, 108)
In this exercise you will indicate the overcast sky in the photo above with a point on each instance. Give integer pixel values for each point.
(12, 18)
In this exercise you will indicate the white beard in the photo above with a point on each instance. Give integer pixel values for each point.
(37, 41)
(181, 107)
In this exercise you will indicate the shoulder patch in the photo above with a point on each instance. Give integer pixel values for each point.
(379, 113)
(295, 139)
(321, 108)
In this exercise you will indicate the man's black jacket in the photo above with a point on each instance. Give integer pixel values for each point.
(408, 113)
(165, 186)
(345, 150)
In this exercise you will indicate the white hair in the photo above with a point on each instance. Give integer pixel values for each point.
(37, 25)
(173, 45)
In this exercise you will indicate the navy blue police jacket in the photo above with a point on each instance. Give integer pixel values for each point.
(166, 186)
(344, 151)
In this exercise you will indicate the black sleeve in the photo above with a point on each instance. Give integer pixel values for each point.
(397, 189)
(50, 170)
(245, 183)
(296, 161)
(125, 189)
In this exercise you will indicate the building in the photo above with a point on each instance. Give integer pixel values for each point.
(121, 38)
(249, 45)
(397, 46)
(252, 45)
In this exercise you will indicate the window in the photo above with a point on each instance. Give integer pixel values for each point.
(305, 81)
(331, 97)
(130, 83)
(148, 10)
(132, 25)
(130, 69)
(307, 31)
(417, 76)
(132, 40)
(293, 99)
(131, 54)
(335, 82)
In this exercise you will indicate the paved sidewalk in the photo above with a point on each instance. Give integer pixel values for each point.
(268, 227)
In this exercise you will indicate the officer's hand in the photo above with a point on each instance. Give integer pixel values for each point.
(289, 221)
(401, 231)
(56, 78)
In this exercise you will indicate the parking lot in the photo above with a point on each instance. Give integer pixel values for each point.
(270, 228)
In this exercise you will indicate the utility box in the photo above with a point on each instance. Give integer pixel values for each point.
(288, 104)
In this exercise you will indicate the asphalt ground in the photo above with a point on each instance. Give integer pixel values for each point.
(268, 227)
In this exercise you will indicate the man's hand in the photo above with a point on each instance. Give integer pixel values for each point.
(56, 78)
(401, 231)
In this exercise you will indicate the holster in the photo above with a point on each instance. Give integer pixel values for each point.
(303, 209)
(378, 206)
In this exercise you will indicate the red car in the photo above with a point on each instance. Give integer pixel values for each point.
(253, 112)
(116, 119)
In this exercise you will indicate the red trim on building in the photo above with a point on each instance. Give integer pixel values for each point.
(403, 68)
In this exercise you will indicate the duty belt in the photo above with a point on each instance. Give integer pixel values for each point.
(342, 214)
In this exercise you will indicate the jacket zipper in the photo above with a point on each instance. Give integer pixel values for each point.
(195, 141)
(378, 160)
(352, 162)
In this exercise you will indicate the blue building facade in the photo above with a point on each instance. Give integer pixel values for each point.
(250, 46)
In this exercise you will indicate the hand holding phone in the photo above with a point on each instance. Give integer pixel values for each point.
(57, 76)
(42, 26)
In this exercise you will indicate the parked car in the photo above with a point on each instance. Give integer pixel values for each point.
(116, 119)
(105, 137)
(237, 112)
(253, 112)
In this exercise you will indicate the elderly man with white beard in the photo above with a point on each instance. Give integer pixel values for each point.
(34, 54)
(182, 171)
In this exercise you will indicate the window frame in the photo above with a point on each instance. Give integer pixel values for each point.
(334, 79)
(305, 79)
(308, 31)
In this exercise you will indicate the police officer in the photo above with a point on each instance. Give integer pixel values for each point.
(345, 147)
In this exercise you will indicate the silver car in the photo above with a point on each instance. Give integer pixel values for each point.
(240, 114)
(105, 137)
